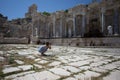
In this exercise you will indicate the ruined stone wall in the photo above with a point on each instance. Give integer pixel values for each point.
(19, 28)
(81, 20)
(75, 22)
(3, 29)
(82, 42)
(14, 41)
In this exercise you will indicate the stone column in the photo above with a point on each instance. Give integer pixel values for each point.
(83, 24)
(32, 30)
(48, 32)
(102, 19)
(116, 16)
(36, 32)
(69, 32)
(65, 29)
(61, 28)
(54, 27)
(74, 26)
(32, 35)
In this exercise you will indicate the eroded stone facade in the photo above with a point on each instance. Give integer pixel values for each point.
(3, 29)
(89, 20)
(79, 21)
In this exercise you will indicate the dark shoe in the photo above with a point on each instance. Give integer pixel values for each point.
(44, 55)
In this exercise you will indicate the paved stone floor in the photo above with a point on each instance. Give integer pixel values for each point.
(23, 62)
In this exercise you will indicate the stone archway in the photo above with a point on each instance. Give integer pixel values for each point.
(119, 20)
(42, 29)
(51, 30)
(109, 16)
(57, 28)
(69, 29)
(78, 20)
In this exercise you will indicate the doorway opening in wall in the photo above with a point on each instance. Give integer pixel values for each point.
(94, 30)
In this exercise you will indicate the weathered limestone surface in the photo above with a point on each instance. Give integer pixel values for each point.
(25, 67)
(44, 75)
(19, 62)
(65, 63)
(60, 71)
(11, 69)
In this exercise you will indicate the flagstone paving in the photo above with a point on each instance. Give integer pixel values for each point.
(24, 62)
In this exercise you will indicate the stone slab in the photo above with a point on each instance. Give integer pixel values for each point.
(44, 75)
(38, 66)
(37, 59)
(42, 62)
(25, 67)
(79, 76)
(71, 69)
(30, 57)
(84, 67)
(55, 63)
(19, 74)
(11, 69)
(91, 74)
(80, 63)
(60, 71)
(19, 62)
(70, 78)
(115, 75)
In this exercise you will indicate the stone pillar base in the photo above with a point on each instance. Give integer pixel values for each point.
(34, 40)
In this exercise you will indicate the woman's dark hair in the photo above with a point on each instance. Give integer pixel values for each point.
(47, 43)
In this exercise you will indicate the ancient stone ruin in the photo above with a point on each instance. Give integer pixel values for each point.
(81, 21)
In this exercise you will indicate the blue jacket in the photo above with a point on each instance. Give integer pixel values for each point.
(42, 49)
